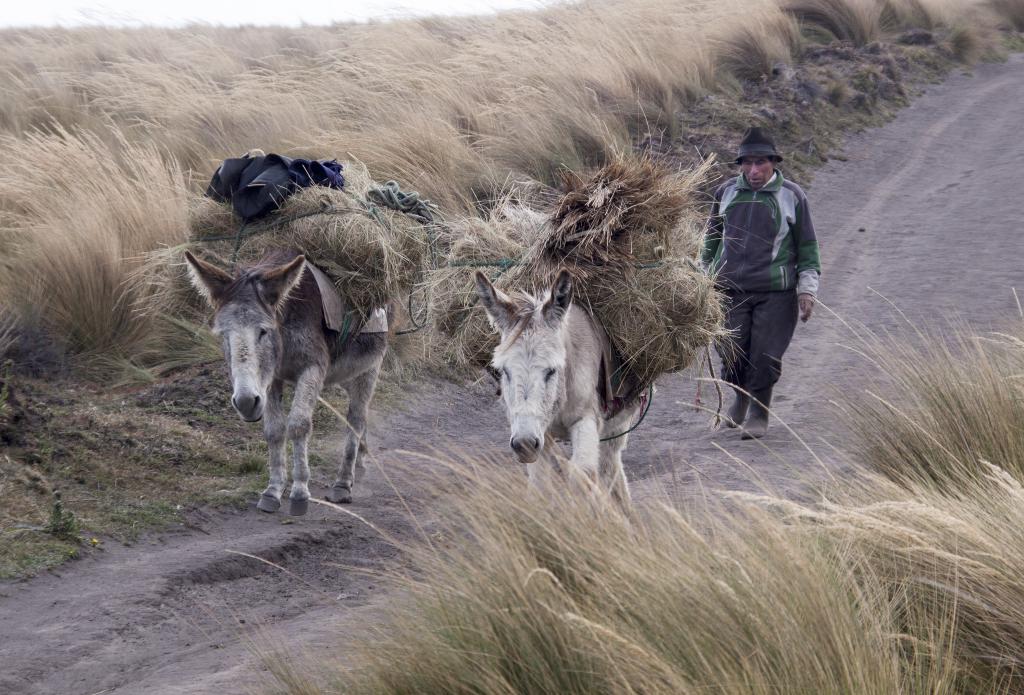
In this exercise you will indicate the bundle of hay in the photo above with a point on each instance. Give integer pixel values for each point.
(495, 246)
(631, 210)
(371, 252)
(629, 235)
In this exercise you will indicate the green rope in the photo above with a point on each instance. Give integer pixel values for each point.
(408, 202)
(650, 400)
(238, 242)
(346, 328)
(415, 325)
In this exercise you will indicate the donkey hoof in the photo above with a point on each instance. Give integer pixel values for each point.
(339, 494)
(268, 503)
(298, 507)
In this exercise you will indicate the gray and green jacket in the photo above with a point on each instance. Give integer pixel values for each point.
(762, 241)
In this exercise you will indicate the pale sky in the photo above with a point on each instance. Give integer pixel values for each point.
(261, 12)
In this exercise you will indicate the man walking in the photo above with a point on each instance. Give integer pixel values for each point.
(760, 243)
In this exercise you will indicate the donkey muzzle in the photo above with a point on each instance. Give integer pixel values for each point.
(527, 448)
(249, 406)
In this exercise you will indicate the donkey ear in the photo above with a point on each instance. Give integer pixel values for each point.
(209, 280)
(499, 307)
(561, 297)
(276, 283)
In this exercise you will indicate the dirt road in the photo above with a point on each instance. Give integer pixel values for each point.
(923, 212)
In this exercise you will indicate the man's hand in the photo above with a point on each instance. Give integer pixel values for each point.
(806, 306)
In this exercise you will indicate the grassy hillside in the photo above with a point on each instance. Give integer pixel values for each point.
(106, 131)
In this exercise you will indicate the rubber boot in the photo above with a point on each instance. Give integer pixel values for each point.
(737, 412)
(757, 423)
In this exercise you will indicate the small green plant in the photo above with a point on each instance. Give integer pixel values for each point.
(839, 93)
(250, 465)
(62, 524)
(1013, 42)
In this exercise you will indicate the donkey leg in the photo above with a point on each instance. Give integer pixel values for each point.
(364, 451)
(585, 450)
(360, 392)
(613, 477)
(273, 432)
(300, 426)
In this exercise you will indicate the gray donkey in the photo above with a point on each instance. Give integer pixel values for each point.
(271, 321)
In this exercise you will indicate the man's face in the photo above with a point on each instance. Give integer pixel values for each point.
(758, 170)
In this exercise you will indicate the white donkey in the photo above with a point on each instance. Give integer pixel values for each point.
(550, 361)
(271, 321)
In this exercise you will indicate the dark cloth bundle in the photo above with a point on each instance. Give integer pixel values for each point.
(256, 186)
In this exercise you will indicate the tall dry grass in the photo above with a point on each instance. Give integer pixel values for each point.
(881, 589)
(857, 21)
(952, 561)
(8, 325)
(456, 108)
(81, 211)
(755, 50)
(1009, 11)
(897, 15)
(952, 403)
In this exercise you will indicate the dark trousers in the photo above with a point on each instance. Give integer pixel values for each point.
(761, 325)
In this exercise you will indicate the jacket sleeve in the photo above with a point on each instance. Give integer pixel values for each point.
(808, 258)
(712, 233)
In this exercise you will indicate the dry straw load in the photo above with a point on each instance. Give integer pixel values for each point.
(371, 252)
(494, 246)
(629, 235)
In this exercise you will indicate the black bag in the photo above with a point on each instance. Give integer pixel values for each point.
(256, 186)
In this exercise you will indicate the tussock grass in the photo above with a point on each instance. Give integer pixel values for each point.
(857, 21)
(968, 43)
(560, 596)
(952, 403)
(951, 563)
(1009, 11)
(8, 326)
(880, 589)
(82, 210)
(913, 14)
(754, 51)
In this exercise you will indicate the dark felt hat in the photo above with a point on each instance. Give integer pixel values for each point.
(757, 144)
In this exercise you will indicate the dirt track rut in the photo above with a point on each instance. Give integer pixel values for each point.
(923, 212)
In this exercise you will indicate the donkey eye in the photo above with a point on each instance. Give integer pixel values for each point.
(548, 374)
(262, 334)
